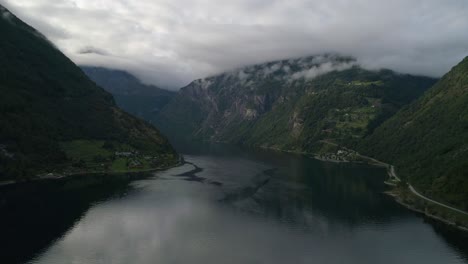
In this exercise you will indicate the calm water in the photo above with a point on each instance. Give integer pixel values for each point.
(225, 206)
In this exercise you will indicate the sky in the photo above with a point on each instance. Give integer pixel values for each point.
(172, 42)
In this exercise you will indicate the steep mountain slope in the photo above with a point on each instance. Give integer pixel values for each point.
(130, 94)
(428, 140)
(290, 104)
(47, 102)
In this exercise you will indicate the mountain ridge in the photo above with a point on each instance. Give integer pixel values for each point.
(47, 102)
(267, 104)
(135, 97)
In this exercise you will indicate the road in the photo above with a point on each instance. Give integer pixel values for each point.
(436, 202)
(392, 173)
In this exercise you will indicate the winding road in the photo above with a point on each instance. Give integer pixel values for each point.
(393, 174)
(435, 202)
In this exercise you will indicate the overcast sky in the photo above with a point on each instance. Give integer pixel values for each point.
(172, 42)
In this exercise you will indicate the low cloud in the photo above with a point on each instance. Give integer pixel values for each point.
(172, 42)
(321, 69)
(92, 50)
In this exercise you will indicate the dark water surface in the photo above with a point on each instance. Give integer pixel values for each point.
(224, 206)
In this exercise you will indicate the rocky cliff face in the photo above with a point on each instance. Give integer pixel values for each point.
(289, 104)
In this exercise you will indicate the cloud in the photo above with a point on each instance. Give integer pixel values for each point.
(92, 50)
(321, 69)
(171, 42)
(272, 69)
(243, 76)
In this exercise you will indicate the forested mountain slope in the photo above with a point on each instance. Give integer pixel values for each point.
(50, 110)
(290, 104)
(428, 140)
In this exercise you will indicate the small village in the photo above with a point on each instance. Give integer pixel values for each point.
(341, 155)
(136, 161)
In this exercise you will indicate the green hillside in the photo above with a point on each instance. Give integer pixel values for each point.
(428, 140)
(275, 105)
(47, 101)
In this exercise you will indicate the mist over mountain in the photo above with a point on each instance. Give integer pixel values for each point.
(169, 43)
(309, 131)
(290, 104)
(297, 104)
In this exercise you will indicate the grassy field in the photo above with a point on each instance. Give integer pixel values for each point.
(99, 155)
(85, 150)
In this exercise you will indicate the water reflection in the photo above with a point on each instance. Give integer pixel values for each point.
(34, 214)
(231, 206)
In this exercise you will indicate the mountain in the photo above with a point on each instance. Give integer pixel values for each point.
(53, 118)
(290, 104)
(427, 141)
(130, 94)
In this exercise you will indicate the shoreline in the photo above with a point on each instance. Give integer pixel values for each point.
(411, 207)
(69, 175)
(397, 197)
(392, 182)
(370, 161)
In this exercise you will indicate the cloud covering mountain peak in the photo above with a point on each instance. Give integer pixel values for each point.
(171, 42)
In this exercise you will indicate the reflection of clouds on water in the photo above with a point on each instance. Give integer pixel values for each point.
(169, 220)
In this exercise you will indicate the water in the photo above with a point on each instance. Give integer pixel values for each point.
(225, 206)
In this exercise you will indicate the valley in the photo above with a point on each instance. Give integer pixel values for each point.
(345, 114)
(290, 141)
(130, 94)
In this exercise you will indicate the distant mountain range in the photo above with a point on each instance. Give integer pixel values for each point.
(298, 104)
(54, 119)
(130, 94)
(290, 104)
